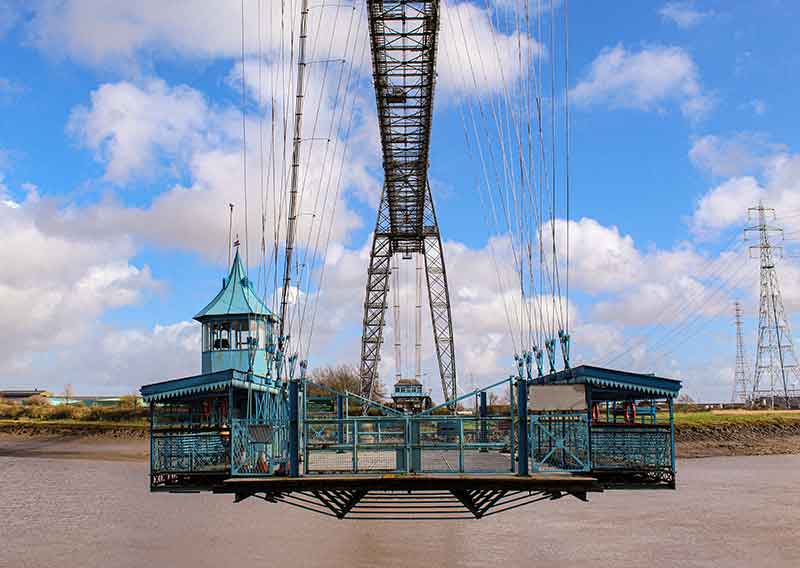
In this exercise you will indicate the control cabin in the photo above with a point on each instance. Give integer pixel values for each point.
(209, 426)
(410, 397)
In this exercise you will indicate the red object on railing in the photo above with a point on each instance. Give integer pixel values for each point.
(630, 413)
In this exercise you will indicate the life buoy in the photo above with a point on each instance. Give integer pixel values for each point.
(630, 413)
(595, 412)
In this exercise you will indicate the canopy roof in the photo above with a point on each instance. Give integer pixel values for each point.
(196, 384)
(237, 297)
(646, 384)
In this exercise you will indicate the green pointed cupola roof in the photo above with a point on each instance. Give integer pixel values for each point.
(237, 297)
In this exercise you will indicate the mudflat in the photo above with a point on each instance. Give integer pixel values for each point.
(74, 447)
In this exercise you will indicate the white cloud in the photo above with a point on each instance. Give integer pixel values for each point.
(775, 180)
(726, 204)
(137, 130)
(125, 35)
(644, 80)
(56, 286)
(131, 126)
(474, 55)
(739, 154)
(684, 14)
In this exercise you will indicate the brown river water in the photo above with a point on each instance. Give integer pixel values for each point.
(730, 512)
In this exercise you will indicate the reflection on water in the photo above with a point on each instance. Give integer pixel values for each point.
(727, 512)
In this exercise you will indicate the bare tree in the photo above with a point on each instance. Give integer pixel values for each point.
(343, 378)
(68, 393)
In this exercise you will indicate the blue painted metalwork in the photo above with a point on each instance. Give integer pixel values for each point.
(237, 297)
(294, 428)
(560, 442)
(188, 452)
(218, 381)
(631, 448)
(672, 433)
(550, 347)
(483, 412)
(619, 382)
(528, 356)
(564, 339)
(522, 427)
(450, 403)
(539, 361)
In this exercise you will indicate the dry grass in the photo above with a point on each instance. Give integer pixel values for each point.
(37, 408)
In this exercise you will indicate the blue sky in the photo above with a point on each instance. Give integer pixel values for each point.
(683, 115)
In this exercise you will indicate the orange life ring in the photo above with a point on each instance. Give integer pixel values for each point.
(630, 413)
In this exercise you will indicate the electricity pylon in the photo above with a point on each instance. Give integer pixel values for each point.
(776, 379)
(741, 382)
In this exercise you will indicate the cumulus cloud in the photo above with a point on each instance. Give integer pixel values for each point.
(774, 179)
(108, 32)
(474, 55)
(644, 80)
(127, 34)
(683, 14)
(57, 286)
(137, 129)
(131, 126)
(739, 154)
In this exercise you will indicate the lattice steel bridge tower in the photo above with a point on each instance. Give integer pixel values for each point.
(403, 36)
(776, 362)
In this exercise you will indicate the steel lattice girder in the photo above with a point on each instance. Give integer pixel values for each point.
(384, 246)
(403, 34)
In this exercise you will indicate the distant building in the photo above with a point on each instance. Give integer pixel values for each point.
(18, 395)
(409, 396)
(90, 400)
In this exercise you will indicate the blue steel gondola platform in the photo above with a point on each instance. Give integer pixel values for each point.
(234, 429)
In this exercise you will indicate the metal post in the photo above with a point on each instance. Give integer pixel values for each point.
(589, 424)
(355, 446)
(152, 425)
(511, 417)
(416, 452)
(340, 419)
(483, 410)
(672, 434)
(293, 185)
(461, 445)
(522, 427)
(294, 425)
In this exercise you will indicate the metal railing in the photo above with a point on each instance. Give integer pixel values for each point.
(190, 452)
(259, 448)
(559, 442)
(631, 447)
(430, 444)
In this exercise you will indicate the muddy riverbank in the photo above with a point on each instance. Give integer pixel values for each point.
(117, 442)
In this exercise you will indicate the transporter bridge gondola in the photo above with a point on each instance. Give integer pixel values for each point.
(253, 424)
